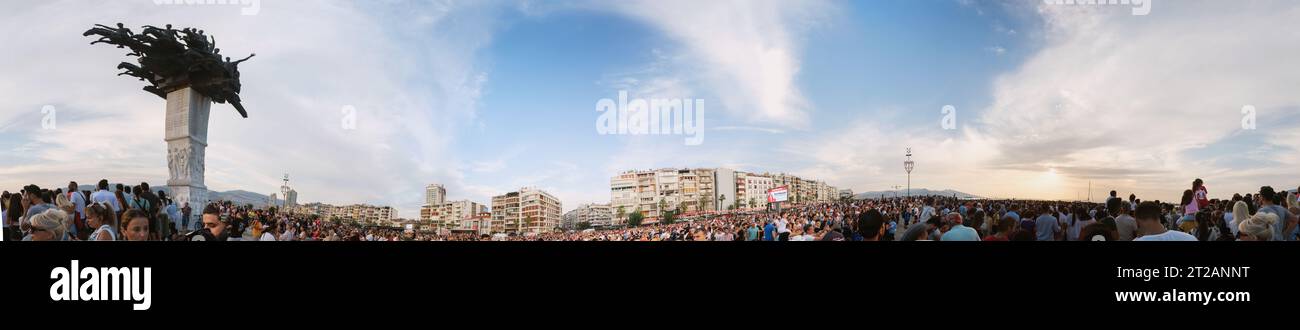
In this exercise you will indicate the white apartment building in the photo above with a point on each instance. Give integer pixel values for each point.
(450, 213)
(360, 212)
(529, 210)
(756, 187)
(435, 194)
(653, 191)
(598, 215)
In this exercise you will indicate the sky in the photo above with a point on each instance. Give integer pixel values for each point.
(488, 96)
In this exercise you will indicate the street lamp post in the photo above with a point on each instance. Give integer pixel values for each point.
(908, 165)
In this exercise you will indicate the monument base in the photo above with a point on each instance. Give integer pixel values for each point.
(187, 139)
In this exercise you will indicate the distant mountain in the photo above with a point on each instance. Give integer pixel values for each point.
(915, 192)
(239, 197)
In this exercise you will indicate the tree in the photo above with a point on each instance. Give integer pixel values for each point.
(621, 212)
(635, 218)
(752, 203)
(662, 205)
(670, 217)
(584, 225)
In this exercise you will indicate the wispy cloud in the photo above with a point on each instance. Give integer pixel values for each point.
(748, 52)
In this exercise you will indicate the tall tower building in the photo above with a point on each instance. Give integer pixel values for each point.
(435, 194)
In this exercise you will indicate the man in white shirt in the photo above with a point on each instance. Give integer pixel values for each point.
(782, 229)
(926, 212)
(78, 200)
(1148, 221)
(103, 196)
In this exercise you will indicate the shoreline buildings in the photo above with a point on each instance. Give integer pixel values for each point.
(690, 190)
(441, 214)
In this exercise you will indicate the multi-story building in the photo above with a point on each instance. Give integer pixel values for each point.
(360, 212)
(435, 194)
(450, 213)
(756, 187)
(529, 210)
(291, 198)
(479, 224)
(652, 192)
(596, 215)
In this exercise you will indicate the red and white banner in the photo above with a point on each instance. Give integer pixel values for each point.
(778, 194)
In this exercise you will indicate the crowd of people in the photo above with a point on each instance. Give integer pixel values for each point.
(132, 213)
(137, 214)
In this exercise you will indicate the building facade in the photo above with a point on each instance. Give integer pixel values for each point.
(365, 213)
(596, 215)
(529, 210)
(652, 192)
(435, 194)
(756, 187)
(450, 213)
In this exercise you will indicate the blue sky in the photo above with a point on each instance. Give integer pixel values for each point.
(489, 96)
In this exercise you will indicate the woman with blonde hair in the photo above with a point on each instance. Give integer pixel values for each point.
(63, 203)
(1257, 228)
(50, 225)
(1240, 213)
(1291, 203)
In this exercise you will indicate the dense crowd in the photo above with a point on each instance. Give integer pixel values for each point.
(137, 214)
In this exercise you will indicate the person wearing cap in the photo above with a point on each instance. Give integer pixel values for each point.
(958, 232)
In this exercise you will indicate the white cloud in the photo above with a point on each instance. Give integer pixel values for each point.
(1113, 98)
(410, 74)
(747, 52)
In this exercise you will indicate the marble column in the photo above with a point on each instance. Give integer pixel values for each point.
(187, 138)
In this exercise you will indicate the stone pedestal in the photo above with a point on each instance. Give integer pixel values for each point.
(187, 138)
